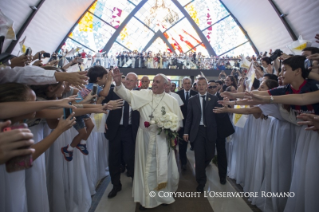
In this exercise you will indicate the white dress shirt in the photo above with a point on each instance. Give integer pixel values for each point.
(189, 93)
(201, 107)
(129, 114)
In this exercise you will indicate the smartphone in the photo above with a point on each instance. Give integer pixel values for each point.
(67, 112)
(46, 55)
(111, 67)
(28, 51)
(94, 91)
(20, 162)
(308, 64)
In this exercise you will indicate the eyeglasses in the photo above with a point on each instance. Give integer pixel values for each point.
(210, 87)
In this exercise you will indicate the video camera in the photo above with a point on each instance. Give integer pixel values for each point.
(276, 54)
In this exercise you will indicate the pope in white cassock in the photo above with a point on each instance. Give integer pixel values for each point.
(155, 167)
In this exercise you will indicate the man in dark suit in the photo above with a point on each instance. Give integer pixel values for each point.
(185, 94)
(121, 131)
(202, 125)
(221, 138)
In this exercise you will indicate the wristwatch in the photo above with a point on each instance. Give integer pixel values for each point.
(271, 99)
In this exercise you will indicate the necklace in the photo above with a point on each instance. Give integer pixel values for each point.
(151, 116)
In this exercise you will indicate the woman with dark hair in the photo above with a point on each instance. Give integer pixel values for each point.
(231, 81)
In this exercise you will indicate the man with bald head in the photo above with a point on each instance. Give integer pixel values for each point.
(155, 165)
(121, 130)
(145, 82)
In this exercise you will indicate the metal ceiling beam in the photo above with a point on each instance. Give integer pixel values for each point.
(109, 44)
(199, 32)
(72, 28)
(242, 28)
(283, 20)
(23, 28)
(159, 34)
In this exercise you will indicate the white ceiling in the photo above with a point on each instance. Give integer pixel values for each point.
(56, 17)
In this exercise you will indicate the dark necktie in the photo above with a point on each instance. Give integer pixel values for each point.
(187, 97)
(126, 114)
(203, 111)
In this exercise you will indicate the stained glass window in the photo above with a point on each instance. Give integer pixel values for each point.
(206, 12)
(92, 32)
(116, 48)
(159, 14)
(184, 2)
(70, 44)
(102, 20)
(135, 35)
(225, 35)
(183, 37)
(158, 46)
(244, 49)
(112, 12)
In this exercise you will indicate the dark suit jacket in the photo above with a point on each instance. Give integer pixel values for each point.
(184, 107)
(114, 118)
(214, 122)
(226, 127)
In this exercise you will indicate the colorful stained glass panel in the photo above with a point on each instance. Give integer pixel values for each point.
(135, 35)
(92, 32)
(245, 49)
(183, 37)
(225, 35)
(70, 44)
(158, 46)
(116, 48)
(159, 14)
(112, 12)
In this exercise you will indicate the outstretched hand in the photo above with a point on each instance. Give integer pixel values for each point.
(255, 97)
(117, 76)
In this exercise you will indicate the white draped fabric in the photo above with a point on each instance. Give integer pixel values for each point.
(276, 156)
(53, 184)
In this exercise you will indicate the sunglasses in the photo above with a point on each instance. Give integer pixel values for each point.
(210, 87)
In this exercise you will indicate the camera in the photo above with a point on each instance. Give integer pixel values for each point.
(276, 54)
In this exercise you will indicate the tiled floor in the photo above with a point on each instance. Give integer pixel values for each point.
(124, 200)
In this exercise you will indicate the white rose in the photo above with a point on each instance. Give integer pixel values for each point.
(152, 122)
(160, 124)
(174, 127)
(167, 125)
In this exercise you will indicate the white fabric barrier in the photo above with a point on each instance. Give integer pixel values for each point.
(276, 156)
(53, 184)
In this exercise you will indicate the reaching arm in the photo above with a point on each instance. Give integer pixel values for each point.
(242, 94)
(107, 85)
(42, 146)
(314, 76)
(291, 99)
(13, 109)
(252, 110)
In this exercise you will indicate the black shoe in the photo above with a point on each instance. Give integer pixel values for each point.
(200, 189)
(222, 181)
(114, 191)
(141, 208)
(184, 167)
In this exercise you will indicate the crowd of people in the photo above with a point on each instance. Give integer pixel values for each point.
(47, 112)
(165, 60)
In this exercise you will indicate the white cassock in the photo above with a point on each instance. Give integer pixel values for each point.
(180, 103)
(155, 169)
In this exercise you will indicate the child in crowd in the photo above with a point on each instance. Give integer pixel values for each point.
(84, 125)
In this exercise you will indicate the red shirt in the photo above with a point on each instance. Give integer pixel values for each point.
(83, 55)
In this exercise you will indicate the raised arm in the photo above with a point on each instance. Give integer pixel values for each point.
(120, 90)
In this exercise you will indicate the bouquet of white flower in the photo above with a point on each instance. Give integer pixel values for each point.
(167, 122)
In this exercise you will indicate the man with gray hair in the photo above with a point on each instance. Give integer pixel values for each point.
(145, 82)
(155, 165)
(185, 94)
